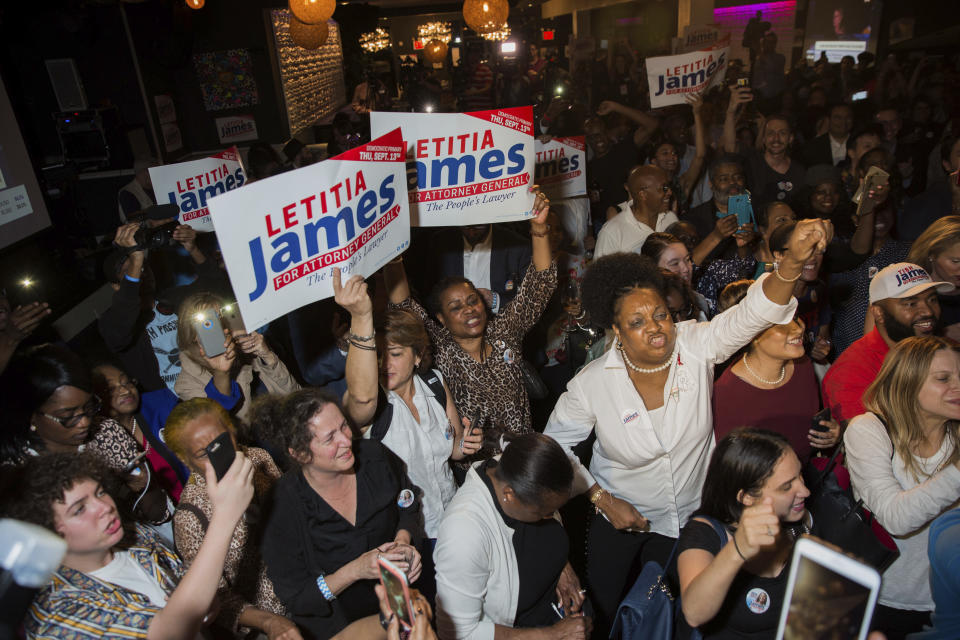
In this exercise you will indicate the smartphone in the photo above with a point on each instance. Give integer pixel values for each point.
(823, 414)
(398, 591)
(230, 316)
(741, 206)
(859, 95)
(829, 594)
(220, 453)
(743, 82)
(874, 178)
(210, 333)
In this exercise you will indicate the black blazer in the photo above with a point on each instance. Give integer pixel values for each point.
(817, 151)
(510, 255)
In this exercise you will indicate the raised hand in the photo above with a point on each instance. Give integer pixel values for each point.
(353, 295)
(808, 237)
(758, 528)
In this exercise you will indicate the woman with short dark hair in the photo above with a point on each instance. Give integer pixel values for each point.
(648, 402)
(735, 586)
(342, 505)
(502, 557)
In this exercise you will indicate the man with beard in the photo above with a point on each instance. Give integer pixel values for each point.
(904, 303)
(714, 227)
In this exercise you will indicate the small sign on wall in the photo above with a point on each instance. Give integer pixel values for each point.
(236, 129)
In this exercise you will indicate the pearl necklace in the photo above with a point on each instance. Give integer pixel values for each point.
(773, 383)
(626, 361)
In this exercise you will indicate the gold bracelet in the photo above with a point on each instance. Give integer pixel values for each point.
(776, 272)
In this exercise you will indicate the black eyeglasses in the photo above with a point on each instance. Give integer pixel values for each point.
(89, 410)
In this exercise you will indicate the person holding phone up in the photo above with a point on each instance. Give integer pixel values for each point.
(413, 414)
(734, 585)
(108, 586)
(342, 505)
(215, 369)
(247, 599)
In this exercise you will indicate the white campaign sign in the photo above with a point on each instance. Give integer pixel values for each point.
(561, 167)
(190, 185)
(673, 78)
(466, 168)
(282, 236)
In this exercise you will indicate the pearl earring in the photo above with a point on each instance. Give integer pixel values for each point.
(33, 427)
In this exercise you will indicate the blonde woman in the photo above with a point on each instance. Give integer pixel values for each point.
(905, 465)
(225, 378)
(938, 251)
(247, 600)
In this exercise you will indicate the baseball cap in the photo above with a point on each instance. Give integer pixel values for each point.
(902, 280)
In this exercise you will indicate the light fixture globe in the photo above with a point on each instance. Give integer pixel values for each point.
(196, 4)
(435, 51)
(308, 36)
(485, 15)
(312, 11)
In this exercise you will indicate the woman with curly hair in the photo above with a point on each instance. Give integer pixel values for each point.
(109, 585)
(648, 402)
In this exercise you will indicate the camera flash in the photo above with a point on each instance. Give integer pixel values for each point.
(199, 317)
(228, 307)
(26, 283)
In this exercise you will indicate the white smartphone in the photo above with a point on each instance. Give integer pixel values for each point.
(829, 594)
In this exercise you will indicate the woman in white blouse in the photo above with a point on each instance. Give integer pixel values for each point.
(409, 418)
(648, 402)
(904, 461)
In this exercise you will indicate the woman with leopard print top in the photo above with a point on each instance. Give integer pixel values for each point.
(480, 355)
(247, 600)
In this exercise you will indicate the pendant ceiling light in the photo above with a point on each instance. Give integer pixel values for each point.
(308, 36)
(485, 15)
(312, 11)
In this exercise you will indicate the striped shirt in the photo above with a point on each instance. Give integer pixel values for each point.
(77, 605)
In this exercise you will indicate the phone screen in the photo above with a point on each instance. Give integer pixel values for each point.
(398, 591)
(824, 604)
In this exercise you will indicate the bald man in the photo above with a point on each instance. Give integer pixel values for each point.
(650, 195)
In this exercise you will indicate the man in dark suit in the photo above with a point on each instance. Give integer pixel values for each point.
(831, 147)
(494, 258)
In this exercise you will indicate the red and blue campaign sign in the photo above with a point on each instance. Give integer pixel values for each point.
(562, 167)
(282, 237)
(466, 168)
(189, 185)
(673, 78)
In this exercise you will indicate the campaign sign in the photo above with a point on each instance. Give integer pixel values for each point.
(236, 128)
(190, 185)
(673, 78)
(561, 167)
(465, 168)
(282, 236)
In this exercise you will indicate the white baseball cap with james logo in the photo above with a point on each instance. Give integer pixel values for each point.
(902, 280)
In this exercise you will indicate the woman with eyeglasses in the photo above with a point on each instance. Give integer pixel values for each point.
(54, 409)
(142, 416)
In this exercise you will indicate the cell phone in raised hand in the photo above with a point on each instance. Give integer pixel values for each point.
(220, 453)
(210, 333)
(875, 177)
(829, 594)
(230, 316)
(394, 580)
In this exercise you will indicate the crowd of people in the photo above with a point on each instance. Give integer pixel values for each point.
(641, 360)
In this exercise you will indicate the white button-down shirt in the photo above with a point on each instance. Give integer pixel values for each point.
(476, 261)
(625, 233)
(658, 468)
(838, 149)
(425, 446)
